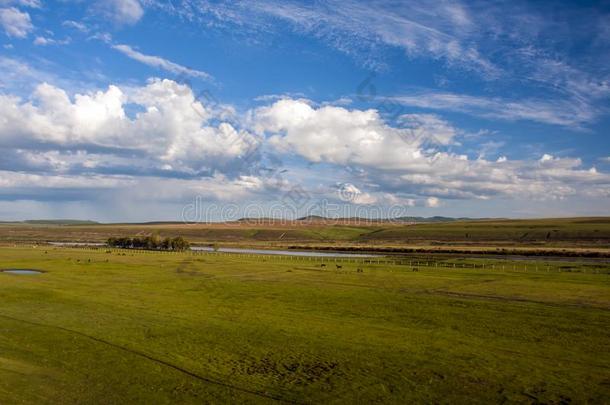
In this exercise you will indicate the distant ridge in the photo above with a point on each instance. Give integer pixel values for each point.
(436, 219)
(319, 218)
(314, 218)
(59, 222)
(265, 220)
(52, 222)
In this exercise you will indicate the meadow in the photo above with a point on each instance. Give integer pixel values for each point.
(119, 326)
(556, 237)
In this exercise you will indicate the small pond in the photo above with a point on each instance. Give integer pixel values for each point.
(22, 272)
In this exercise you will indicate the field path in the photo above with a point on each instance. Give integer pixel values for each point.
(156, 360)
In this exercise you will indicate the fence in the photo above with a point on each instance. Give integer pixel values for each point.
(498, 264)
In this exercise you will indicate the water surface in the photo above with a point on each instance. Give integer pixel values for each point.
(279, 252)
(77, 244)
(21, 272)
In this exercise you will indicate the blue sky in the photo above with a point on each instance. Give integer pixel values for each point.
(141, 110)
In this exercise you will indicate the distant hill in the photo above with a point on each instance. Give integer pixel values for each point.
(309, 218)
(315, 218)
(312, 218)
(434, 219)
(59, 222)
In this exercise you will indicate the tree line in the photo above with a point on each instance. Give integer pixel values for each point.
(153, 242)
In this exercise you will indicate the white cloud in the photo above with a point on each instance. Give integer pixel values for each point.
(349, 193)
(341, 136)
(76, 25)
(102, 36)
(28, 180)
(23, 3)
(501, 41)
(174, 147)
(564, 113)
(15, 74)
(433, 29)
(160, 63)
(172, 129)
(15, 23)
(121, 11)
(430, 127)
(427, 30)
(44, 41)
(433, 202)
(402, 159)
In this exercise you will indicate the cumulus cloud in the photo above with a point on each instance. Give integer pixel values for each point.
(430, 128)
(16, 23)
(172, 130)
(124, 147)
(341, 136)
(411, 159)
(158, 141)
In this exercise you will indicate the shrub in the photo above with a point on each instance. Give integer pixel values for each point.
(153, 242)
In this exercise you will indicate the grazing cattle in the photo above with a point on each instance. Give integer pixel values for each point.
(322, 265)
(338, 266)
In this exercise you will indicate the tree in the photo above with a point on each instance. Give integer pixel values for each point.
(180, 244)
(152, 242)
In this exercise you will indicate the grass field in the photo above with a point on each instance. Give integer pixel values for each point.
(126, 327)
(585, 237)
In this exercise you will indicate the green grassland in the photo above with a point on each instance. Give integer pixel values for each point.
(131, 327)
(566, 231)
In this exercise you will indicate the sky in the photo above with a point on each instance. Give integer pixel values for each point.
(195, 110)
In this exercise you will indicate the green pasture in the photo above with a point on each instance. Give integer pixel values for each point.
(127, 327)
